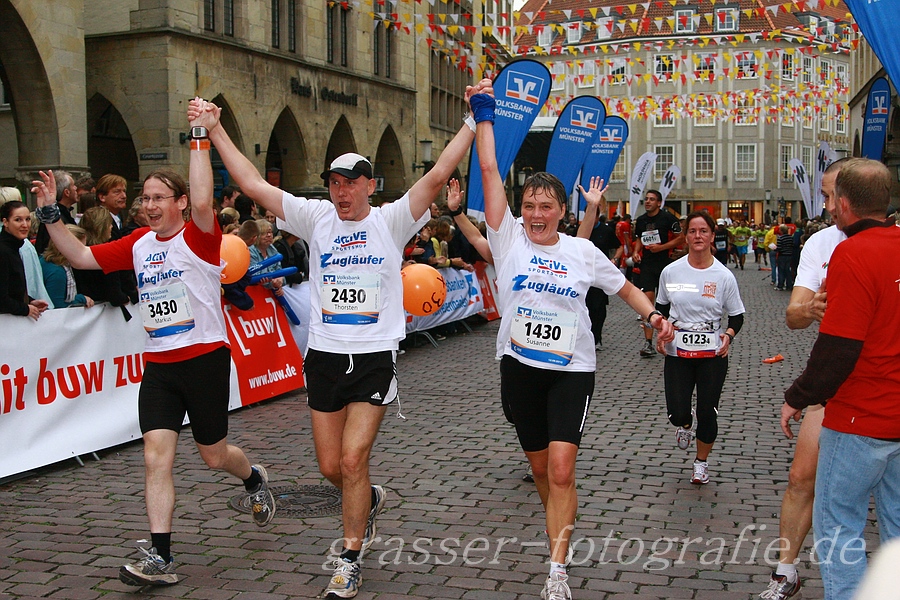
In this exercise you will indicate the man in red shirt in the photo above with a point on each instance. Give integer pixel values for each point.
(856, 363)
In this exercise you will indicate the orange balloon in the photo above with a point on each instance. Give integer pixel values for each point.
(424, 290)
(236, 255)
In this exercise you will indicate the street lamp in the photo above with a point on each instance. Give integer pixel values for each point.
(524, 174)
(426, 155)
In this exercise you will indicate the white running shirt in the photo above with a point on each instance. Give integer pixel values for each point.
(815, 257)
(542, 289)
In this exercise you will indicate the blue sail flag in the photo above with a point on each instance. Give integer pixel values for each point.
(877, 19)
(573, 137)
(604, 153)
(521, 89)
(875, 126)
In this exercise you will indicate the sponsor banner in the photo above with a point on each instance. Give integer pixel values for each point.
(521, 89)
(668, 182)
(643, 168)
(877, 20)
(576, 131)
(265, 354)
(802, 179)
(604, 153)
(463, 300)
(487, 277)
(876, 122)
(824, 157)
(77, 391)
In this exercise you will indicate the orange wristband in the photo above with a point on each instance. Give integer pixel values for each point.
(201, 144)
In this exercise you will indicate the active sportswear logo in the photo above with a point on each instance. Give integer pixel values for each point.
(545, 265)
(155, 259)
(357, 239)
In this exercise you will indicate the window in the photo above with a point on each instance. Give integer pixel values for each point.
(4, 101)
(787, 67)
(824, 120)
(663, 117)
(558, 73)
(705, 65)
(448, 89)
(726, 19)
(809, 66)
(684, 21)
(786, 107)
(544, 35)
(747, 67)
(812, 24)
(336, 30)
(808, 116)
(664, 66)
(382, 50)
(209, 15)
(619, 171)
(228, 13)
(665, 158)
(573, 32)
(618, 70)
(840, 77)
(704, 162)
(806, 157)
(825, 72)
(605, 28)
(705, 111)
(587, 71)
(745, 111)
(840, 119)
(786, 153)
(745, 162)
(276, 23)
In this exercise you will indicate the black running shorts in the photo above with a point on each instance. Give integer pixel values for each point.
(198, 386)
(546, 406)
(335, 380)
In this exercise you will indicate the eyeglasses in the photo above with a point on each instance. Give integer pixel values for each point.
(155, 199)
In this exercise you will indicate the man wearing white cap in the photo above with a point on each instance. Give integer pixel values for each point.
(356, 316)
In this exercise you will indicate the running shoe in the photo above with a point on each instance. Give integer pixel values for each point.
(556, 587)
(647, 351)
(683, 438)
(701, 473)
(781, 588)
(262, 502)
(529, 475)
(371, 529)
(345, 580)
(150, 570)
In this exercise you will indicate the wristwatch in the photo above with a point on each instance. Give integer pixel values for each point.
(199, 133)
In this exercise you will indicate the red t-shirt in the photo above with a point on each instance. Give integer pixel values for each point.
(863, 305)
(118, 256)
(623, 232)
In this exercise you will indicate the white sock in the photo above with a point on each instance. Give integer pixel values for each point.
(790, 570)
(558, 568)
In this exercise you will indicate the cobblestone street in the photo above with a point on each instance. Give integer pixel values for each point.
(459, 520)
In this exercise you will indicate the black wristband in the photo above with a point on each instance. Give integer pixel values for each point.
(730, 336)
(48, 214)
(457, 212)
(650, 316)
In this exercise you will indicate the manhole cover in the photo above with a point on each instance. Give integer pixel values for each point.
(298, 501)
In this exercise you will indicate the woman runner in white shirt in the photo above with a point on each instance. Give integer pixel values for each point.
(696, 292)
(548, 357)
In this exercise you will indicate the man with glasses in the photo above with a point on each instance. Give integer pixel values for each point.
(188, 362)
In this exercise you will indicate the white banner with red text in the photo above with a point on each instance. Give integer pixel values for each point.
(69, 382)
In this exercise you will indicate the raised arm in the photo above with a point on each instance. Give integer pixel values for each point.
(596, 201)
(425, 190)
(78, 255)
(495, 205)
(203, 213)
(207, 114)
(465, 226)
